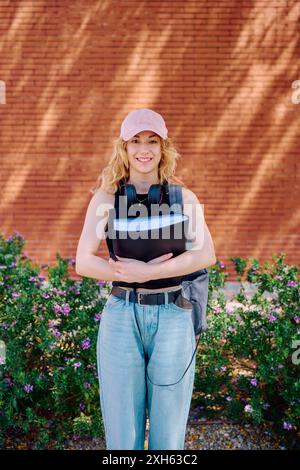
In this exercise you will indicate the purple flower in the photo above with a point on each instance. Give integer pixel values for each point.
(87, 385)
(100, 283)
(82, 406)
(15, 295)
(97, 317)
(217, 309)
(8, 382)
(248, 409)
(13, 324)
(297, 319)
(61, 292)
(15, 234)
(253, 382)
(53, 323)
(28, 388)
(229, 308)
(45, 295)
(86, 343)
(292, 284)
(287, 425)
(64, 309)
(74, 289)
(228, 398)
(55, 332)
(272, 318)
(57, 308)
(76, 364)
(72, 261)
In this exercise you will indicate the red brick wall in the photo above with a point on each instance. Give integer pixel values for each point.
(220, 73)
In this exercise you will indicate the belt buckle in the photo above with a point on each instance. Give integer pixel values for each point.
(139, 297)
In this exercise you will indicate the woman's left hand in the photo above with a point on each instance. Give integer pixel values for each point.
(130, 270)
(133, 270)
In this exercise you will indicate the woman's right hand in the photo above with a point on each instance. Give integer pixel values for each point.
(160, 259)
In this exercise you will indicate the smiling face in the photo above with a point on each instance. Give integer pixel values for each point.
(144, 153)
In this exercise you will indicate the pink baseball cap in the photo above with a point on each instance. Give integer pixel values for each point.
(143, 119)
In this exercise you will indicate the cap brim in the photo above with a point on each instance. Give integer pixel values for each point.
(128, 135)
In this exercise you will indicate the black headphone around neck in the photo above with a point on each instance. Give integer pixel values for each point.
(155, 194)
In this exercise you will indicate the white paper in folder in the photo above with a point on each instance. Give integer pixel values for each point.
(140, 224)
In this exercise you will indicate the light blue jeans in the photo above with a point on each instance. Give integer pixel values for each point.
(126, 394)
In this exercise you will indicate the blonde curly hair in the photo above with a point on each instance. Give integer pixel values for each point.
(118, 166)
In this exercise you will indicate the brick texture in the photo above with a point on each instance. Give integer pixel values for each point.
(221, 74)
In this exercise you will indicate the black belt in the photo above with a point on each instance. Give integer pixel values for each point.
(142, 298)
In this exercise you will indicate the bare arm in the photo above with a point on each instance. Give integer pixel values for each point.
(87, 262)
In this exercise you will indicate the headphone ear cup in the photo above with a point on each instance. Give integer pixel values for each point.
(155, 194)
(130, 192)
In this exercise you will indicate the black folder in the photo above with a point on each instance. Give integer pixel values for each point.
(146, 238)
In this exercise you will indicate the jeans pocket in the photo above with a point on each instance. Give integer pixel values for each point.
(111, 303)
(182, 303)
(112, 300)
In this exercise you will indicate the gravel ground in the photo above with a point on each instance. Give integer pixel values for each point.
(202, 434)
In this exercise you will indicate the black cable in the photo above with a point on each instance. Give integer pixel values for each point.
(159, 385)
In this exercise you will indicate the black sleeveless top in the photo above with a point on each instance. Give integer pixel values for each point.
(154, 283)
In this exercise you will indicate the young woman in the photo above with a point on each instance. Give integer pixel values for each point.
(141, 344)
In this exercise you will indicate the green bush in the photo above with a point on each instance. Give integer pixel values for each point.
(48, 384)
(248, 361)
(247, 365)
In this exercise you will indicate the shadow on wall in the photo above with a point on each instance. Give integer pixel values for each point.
(222, 77)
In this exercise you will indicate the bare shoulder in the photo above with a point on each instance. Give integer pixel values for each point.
(102, 194)
(102, 197)
(99, 205)
(189, 197)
